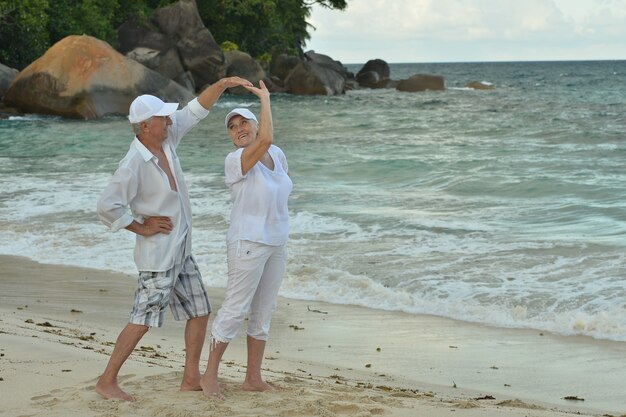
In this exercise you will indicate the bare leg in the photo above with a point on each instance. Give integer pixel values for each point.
(208, 382)
(254, 381)
(195, 332)
(128, 338)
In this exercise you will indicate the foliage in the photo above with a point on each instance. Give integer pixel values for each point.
(91, 17)
(229, 46)
(23, 34)
(29, 27)
(265, 58)
(259, 27)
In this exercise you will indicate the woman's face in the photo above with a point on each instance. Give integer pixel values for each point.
(242, 131)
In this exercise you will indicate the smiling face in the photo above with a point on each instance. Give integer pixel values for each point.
(242, 131)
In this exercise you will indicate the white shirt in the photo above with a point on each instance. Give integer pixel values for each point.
(259, 198)
(139, 188)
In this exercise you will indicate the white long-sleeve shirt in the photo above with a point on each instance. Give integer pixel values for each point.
(139, 188)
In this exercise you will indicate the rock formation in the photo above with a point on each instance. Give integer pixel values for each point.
(421, 82)
(84, 77)
(479, 85)
(374, 74)
(317, 75)
(7, 75)
(243, 65)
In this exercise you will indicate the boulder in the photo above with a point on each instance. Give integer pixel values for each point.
(374, 74)
(131, 36)
(7, 112)
(7, 75)
(243, 65)
(317, 75)
(199, 52)
(186, 80)
(328, 63)
(309, 79)
(165, 62)
(479, 85)
(155, 51)
(84, 77)
(371, 79)
(282, 65)
(421, 82)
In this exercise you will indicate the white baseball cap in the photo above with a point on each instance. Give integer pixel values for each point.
(145, 106)
(245, 113)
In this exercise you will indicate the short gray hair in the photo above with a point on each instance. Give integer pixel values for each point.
(137, 126)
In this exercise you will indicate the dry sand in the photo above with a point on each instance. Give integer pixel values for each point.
(58, 325)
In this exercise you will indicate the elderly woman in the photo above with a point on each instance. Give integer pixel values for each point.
(257, 175)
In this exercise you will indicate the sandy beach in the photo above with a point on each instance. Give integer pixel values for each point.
(59, 323)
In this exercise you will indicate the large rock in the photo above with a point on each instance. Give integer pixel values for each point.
(421, 82)
(283, 64)
(328, 63)
(243, 65)
(149, 47)
(83, 77)
(131, 36)
(374, 74)
(166, 63)
(479, 85)
(200, 54)
(7, 75)
(310, 79)
(318, 75)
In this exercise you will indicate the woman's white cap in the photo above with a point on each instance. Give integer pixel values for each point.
(145, 106)
(245, 113)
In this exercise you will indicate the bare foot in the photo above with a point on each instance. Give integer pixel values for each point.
(259, 385)
(211, 389)
(190, 387)
(112, 391)
(191, 384)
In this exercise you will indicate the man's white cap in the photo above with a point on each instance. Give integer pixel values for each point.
(145, 106)
(245, 113)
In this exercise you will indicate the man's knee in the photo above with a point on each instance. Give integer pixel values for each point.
(198, 321)
(137, 329)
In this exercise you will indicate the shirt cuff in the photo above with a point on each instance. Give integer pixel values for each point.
(121, 223)
(197, 109)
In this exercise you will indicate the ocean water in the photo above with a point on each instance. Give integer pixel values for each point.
(501, 207)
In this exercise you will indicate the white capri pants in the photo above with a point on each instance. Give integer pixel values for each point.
(255, 272)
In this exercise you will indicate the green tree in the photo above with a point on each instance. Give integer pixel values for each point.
(261, 26)
(23, 33)
(89, 17)
(29, 27)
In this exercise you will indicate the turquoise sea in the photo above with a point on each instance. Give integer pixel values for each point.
(502, 207)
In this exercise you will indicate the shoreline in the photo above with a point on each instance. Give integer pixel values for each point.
(329, 359)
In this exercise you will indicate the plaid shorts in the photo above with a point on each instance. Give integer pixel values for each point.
(180, 287)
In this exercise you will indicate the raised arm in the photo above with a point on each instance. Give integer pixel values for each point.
(255, 151)
(212, 93)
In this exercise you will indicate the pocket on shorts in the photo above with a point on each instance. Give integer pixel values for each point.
(155, 280)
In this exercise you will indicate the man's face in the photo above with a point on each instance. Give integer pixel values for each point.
(157, 127)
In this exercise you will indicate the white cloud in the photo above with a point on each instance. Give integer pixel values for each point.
(471, 30)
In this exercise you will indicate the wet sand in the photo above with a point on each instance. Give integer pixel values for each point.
(59, 324)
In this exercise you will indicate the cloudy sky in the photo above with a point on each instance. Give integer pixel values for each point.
(470, 30)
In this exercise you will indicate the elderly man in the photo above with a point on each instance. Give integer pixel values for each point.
(147, 195)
